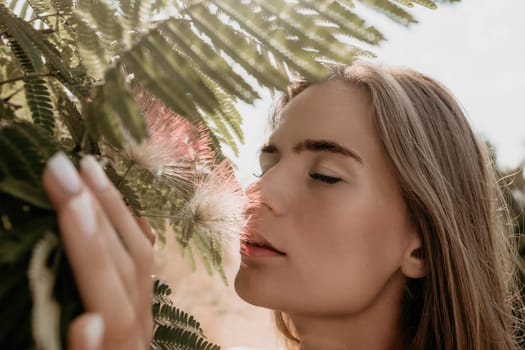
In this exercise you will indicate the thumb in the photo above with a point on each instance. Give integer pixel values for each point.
(86, 332)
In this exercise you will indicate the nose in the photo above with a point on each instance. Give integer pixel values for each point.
(272, 191)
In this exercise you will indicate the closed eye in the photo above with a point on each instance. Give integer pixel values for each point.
(325, 178)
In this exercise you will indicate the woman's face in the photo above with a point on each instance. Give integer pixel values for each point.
(331, 208)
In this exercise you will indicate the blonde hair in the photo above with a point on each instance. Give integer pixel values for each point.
(469, 299)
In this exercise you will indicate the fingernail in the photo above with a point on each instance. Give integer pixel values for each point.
(95, 172)
(82, 209)
(65, 173)
(94, 331)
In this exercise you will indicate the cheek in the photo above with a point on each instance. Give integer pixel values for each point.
(356, 222)
(350, 250)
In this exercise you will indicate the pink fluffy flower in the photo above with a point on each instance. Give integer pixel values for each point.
(174, 147)
(216, 205)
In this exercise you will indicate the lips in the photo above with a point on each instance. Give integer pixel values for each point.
(254, 245)
(262, 245)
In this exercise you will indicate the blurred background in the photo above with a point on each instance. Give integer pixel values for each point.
(475, 47)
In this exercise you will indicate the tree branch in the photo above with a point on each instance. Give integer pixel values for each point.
(43, 18)
(6, 99)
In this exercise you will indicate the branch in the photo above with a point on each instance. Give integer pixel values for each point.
(11, 104)
(31, 75)
(6, 99)
(42, 18)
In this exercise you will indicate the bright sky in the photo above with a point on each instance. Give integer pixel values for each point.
(476, 48)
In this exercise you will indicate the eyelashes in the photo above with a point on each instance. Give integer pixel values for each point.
(325, 178)
(314, 176)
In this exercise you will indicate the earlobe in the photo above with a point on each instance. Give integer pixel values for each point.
(414, 261)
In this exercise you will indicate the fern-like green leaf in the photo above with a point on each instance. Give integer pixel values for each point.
(426, 3)
(40, 7)
(271, 36)
(102, 121)
(136, 14)
(157, 80)
(117, 93)
(72, 119)
(250, 55)
(181, 71)
(206, 244)
(228, 111)
(169, 315)
(391, 10)
(410, 3)
(92, 53)
(39, 101)
(14, 28)
(36, 91)
(407, 3)
(113, 113)
(35, 45)
(170, 338)
(161, 293)
(209, 246)
(63, 7)
(348, 22)
(101, 14)
(174, 328)
(26, 150)
(128, 194)
(319, 40)
(206, 59)
(22, 190)
(190, 97)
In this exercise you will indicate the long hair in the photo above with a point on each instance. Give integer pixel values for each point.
(469, 299)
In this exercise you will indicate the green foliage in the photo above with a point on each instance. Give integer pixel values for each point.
(391, 10)
(119, 111)
(69, 76)
(39, 101)
(26, 147)
(175, 329)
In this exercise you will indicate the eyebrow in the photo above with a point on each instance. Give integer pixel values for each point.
(316, 146)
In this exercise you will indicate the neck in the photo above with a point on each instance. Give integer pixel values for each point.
(376, 327)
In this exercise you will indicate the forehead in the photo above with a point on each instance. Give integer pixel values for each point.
(334, 110)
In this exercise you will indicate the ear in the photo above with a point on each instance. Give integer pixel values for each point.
(414, 262)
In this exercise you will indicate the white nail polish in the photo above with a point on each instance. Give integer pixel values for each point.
(95, 172)
(84, 214)
(65, 173)
(94, 331)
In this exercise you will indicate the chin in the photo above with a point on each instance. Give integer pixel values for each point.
(252, 291)
(242, 287)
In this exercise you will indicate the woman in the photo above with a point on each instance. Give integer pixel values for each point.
(376, 224)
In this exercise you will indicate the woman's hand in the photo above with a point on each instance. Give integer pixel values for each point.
(110, 256)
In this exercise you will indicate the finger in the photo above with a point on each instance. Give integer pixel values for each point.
(117, 212)
(131, 232)
(123, 262)
(94, 271)
(146, 229)
(65, 183)
(86, 332)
